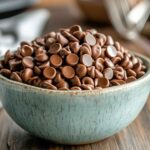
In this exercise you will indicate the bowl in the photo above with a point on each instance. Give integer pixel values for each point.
(75, 117)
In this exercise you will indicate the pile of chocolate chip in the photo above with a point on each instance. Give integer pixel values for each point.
(72, 59)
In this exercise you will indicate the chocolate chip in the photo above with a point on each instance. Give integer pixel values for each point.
(74, 46)
(103, 82)
(14, 76)
(87, 80)
(130, 79)
(5, 72)
(28, 62)
(70, 37)
(68, 72)
(75, 28)
(87, 60)
(111, 51)
(81, 70)
(55, 48)
(90, 39)
(61, 39)
(96, 51)
(72, 59)
(27, 74)
(108, 73)
(41, 57)
(26, 50)
(56, 60)
(49, 72)
(76, 81)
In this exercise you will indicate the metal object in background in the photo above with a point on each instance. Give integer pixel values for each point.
(23, 27)
(129, 21)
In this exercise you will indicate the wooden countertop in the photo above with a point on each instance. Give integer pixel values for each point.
(135, 137)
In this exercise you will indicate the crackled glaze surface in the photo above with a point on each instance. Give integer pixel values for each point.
(74, 117)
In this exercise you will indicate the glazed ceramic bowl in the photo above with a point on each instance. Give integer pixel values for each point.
(75, 117)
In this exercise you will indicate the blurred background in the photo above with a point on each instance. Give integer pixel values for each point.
(23, 20)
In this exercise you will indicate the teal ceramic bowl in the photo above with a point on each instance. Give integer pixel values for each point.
(75, 117)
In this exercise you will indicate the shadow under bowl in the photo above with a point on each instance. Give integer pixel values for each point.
(75, 117)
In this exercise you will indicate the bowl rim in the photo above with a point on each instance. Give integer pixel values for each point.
(75, 92)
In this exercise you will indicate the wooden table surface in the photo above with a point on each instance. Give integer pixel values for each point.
(135, 137)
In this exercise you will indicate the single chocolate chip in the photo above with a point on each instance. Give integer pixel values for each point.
(87, 60)
(75, 81)
(48, 85)
(61, 39)
(49, 72)
(108, 73)
(81, 70)
(62, 84)
(50, 41)
(79, 35)
(58, 78)
(27, 50)
(131, 72)
(44, 65)
(117, 45)
(99, 64)
(85, 50)
(87, 80)
(91, 71)
(119, 72)
(103, 82)
(130, 79)
(14, 76)
(90, 39)
(137, 67)
(51, 34)
(68, 72)
(37, 70)
(64, 51)
(56, 60)
(72, 59)
(109, 63)
(39, 50)
(140, 74)
(5, 72)
(116, 60)
(110, 40)
(28, 62)
(55, 48)
(75, 28)
(96, 51)
(117, 82)
(69, 36)
(111, 51)
(42, 57)
(74, 46)
(98, 74)
(27, 74)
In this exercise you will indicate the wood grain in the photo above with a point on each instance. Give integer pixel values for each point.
(134, 137)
